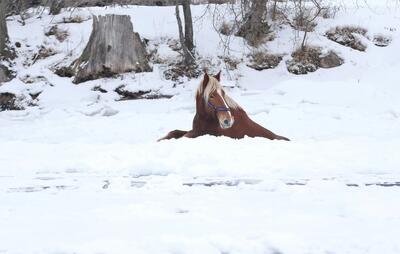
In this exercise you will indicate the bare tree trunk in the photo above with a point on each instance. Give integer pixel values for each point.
(3, 27)
(255, 26)
(274, 10)
(56, 6)
(113, 48)
(187, 13)
(187, 54)
(6, 53)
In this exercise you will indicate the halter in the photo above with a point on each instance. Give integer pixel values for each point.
(218, 108)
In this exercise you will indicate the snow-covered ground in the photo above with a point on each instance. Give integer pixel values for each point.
(83, 173)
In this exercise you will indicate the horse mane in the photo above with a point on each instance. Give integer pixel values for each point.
(212, 86)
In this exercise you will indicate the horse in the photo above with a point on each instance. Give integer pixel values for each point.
(217, 114)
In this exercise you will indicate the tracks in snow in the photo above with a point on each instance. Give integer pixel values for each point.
(68, 182)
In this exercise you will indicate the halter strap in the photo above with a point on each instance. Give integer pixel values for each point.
(218, 108)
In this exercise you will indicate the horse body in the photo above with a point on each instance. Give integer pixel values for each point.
(218, 115)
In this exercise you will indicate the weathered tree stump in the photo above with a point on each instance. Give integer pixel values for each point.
(113, 48)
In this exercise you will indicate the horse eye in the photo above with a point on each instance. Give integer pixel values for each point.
(212, 96)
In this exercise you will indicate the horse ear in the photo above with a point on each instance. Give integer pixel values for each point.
(205, 80)
(218, 76)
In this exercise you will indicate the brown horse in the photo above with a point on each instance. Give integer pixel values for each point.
(219, 115)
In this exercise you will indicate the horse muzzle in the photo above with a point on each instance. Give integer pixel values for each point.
(226, 123)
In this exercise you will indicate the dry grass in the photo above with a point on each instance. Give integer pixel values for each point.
(346, 36)
(61, 35)
(9, 101)
(73, 19)
(65, 72)
(147, 94)
(382, 40)
(231, 62)
(307, 54)
(176, 71)
(43, 53)
(304, 60)
(260, 60)
(310, 59)
(226, 28)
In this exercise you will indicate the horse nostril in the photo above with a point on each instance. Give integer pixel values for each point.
(226, 122)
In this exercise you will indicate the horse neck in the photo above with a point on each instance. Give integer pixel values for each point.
(239, 113)
(200, 107)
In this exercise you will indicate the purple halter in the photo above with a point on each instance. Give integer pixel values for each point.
(218, 108)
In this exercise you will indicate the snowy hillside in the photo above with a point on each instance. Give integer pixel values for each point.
(81, 171)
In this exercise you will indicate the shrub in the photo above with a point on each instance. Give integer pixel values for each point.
(346, 36)
(310, 59)
(304, 60)
(260, 60)
(226, 28)
(9, 101)
(381, 40)
(73, 19)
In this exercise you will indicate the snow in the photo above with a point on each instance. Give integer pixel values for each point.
(83, 173)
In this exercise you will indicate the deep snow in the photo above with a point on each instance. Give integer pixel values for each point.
(82, 173)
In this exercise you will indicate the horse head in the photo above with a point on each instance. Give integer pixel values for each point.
(215, 102)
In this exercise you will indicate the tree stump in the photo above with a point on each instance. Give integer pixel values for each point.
(113, 48)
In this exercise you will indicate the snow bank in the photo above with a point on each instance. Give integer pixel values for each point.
(83, 173)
